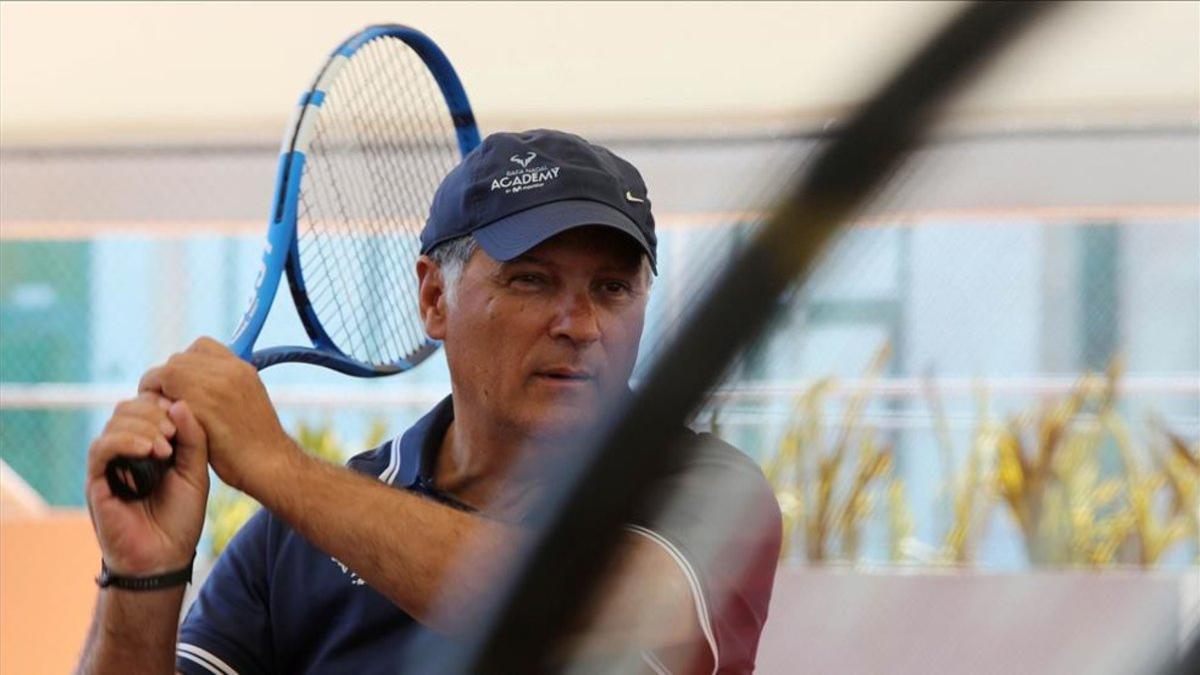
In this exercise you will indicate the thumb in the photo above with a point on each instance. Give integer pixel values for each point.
(191, 443)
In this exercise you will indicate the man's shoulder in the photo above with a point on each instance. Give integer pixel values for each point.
(706, 449)
(715, 472)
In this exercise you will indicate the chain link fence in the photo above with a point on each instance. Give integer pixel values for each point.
(945, 308)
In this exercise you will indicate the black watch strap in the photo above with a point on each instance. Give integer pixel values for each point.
(166, 580)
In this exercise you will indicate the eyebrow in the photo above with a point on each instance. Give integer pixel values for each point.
(526, 258)
(632, 267)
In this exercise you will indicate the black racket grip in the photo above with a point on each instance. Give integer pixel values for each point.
(144, 473)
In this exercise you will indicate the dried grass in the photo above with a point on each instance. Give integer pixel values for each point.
(819, 497)
(1081, 488)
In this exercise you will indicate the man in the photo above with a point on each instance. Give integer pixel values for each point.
(535, 271)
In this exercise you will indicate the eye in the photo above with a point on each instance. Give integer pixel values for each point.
(527, 280)
(616, 288)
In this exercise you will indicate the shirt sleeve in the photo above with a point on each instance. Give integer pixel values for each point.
(227, 629)
(718, 518)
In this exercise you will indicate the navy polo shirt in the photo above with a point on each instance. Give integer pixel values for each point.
(274, 603)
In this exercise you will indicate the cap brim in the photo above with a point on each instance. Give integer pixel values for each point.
(515, 235)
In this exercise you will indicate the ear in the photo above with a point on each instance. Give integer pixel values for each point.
(431, 297)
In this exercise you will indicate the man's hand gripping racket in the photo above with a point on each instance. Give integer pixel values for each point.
(384, 121)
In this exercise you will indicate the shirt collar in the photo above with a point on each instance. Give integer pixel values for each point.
(420, 444)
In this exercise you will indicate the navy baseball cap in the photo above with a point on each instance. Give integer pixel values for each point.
(516, 190)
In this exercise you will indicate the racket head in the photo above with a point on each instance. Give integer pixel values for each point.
(385, 119)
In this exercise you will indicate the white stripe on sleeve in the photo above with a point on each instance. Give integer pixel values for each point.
(205, 658)
(393, 461)
(693, 580)
(655, 665)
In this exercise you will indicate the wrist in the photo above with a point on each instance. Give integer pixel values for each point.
(133, 567)
(276, 469)
(135, 629)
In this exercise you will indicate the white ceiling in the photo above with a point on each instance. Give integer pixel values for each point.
(118, 71)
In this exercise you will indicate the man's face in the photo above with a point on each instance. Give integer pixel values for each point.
(535, 344)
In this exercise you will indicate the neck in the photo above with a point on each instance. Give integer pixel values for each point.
(478, 464)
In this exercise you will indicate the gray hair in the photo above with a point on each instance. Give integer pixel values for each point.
(451, 256)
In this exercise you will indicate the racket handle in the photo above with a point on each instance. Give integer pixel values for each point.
(135, 478)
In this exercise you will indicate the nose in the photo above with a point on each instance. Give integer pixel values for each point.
(577, 319)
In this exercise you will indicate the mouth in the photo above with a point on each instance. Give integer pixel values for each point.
(565, 375)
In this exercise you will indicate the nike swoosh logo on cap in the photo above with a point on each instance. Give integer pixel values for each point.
(635, 200)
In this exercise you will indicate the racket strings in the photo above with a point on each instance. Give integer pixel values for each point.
(387, 155)
(367, 341)
(410, 196)
(412, 108)
(370, 341)
(327, 303)
(324, 297)
(390, 156)
(418, 193)
(381, 144)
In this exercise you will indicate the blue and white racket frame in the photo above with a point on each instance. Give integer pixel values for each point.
(281, 252)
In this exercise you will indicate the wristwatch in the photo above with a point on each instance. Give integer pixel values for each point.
(152, 583)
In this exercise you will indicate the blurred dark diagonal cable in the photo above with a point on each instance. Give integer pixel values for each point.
(1187, 661)
(607, 480)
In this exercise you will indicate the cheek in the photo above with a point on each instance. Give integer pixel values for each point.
(468, 333)
(514, 325)
(626, 335)
(506, 311)
(490, 333)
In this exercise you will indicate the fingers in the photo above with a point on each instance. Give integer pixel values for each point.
(117, 444)
(176, 378)
(218, 402)
(191, 441)
(173, 377)
(138, 428)
(160, 434)
(152, 380)
(146, 404)
(146, 414)
(207, 345)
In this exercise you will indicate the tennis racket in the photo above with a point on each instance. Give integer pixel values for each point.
(384, 121)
